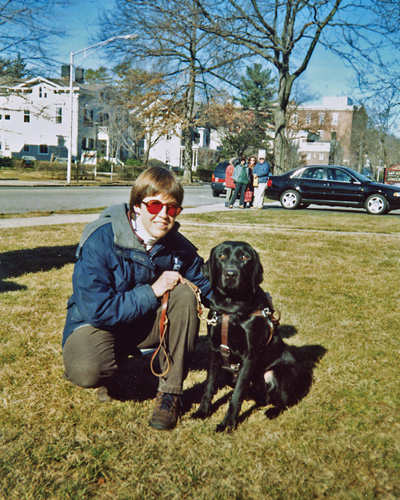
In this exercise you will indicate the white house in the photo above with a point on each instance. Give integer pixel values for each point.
(35, 120)
(169, 148)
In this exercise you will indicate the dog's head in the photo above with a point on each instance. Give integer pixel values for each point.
(234, 268)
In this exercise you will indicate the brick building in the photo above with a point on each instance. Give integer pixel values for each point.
(325, 133)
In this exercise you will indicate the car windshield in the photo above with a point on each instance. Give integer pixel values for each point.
(358, 176)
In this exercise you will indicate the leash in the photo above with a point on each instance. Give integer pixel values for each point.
(164, 322)
(161, 345)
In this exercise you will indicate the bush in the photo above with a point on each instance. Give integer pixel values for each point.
(204, 174)
(130, 173)
(6, 162)
(132, 162)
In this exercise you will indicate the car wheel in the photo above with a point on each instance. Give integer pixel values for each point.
(215, 194)
(376, 204)
(290, 199)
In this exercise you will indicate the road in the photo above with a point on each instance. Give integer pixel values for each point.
(21, 199)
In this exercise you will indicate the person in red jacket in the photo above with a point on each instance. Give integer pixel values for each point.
(229, 182)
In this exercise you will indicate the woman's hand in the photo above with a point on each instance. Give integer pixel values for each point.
(166, 282)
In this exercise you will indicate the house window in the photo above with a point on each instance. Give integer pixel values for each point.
(91, 144)
(83, 144)
(321, 156)
(88, 117)
(308, 119)
(295, 119)
(6, 146)
(7, 117)
(60, 141)
(333, 137)
(59, 115)
(103, 118)
(321, 118)
(335, 118)
(43, 149)
(26, 148)
(27, 116)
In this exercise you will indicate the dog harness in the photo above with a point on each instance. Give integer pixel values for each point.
(272, 323)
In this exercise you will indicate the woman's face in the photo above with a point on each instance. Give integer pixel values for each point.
(159, 224)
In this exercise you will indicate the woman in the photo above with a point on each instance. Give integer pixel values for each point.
(127, 260)
(241, 178)
(251, 165)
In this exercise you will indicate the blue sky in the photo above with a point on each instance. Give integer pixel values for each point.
(326, 75)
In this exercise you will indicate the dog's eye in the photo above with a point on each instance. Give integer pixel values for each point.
(222, 256)
(245, 257)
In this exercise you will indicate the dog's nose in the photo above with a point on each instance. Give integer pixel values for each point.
(231, 273)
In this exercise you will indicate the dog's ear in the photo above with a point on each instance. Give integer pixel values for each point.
(257, 271)
(208, 267)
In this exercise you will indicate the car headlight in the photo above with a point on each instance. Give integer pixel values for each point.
(397, 194)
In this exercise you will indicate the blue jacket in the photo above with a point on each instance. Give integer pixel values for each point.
(112, 277)
(262, 171)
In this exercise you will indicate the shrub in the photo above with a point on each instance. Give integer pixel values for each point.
(132, 162)
(204, 174)
(6, 162)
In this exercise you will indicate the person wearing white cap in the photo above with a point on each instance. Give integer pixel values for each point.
(261, 173)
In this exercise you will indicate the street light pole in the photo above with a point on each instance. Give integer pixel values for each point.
(92, 49)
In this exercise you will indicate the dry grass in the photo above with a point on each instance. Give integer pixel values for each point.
(339, 298)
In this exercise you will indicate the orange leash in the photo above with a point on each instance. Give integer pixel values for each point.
(163, 325)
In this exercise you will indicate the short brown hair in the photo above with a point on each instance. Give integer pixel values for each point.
(154, 181)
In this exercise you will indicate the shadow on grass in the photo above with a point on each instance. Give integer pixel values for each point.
(308, 357)
(33, 260)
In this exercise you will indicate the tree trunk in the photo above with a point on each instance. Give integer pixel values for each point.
(187, 156)
(280, 144)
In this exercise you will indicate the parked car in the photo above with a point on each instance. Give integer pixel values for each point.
(331, 185)
(218, 179)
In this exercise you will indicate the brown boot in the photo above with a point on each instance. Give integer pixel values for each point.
(166, 411)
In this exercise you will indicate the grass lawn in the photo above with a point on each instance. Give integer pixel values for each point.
(334, 277)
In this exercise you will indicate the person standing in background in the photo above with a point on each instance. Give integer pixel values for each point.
(229, 182)
(241, 178)
(251, 165)
(261, 173)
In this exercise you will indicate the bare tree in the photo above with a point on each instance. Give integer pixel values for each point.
(382, 148)
(27, 27)
(137, 105)
(170, 41)
(286, 33)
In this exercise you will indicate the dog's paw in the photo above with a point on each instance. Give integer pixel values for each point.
(200, 414)
(222, 427)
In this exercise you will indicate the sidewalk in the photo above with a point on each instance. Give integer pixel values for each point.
(49, 220)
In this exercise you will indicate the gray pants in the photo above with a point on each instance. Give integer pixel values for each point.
(93, 357)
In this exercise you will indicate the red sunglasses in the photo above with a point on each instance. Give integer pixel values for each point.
(154, 207)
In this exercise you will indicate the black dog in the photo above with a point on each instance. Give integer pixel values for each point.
(255, 354)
